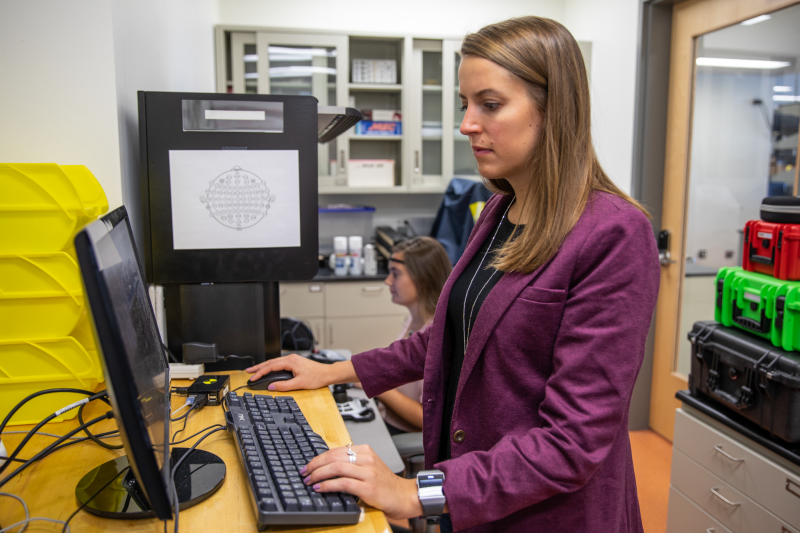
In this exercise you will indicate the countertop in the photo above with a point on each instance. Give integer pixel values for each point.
(326, 274)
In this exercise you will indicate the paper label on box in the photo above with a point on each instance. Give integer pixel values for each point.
(763, 235)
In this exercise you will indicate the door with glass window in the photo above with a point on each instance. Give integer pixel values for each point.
(732, 139)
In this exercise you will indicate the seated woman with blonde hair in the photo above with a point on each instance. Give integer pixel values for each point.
(418, 269)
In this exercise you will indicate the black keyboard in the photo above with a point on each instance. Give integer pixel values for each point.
(275, 442)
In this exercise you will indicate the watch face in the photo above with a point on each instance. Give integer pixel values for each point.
(430, 480)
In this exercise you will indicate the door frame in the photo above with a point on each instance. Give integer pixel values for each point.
(666, 119)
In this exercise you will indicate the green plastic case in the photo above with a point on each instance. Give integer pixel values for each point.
(759, 304)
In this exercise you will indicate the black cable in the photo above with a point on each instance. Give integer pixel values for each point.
(113, 433)
(32, 432)
(46, 451)
(17, 460)
(196, 434)
(34, 395)
(176, 504)
(92, 437)
(237, 388)
(252, 360)
(84, 504)
(185, 419)
(170, 354)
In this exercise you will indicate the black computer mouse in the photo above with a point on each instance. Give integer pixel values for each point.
(267, 379)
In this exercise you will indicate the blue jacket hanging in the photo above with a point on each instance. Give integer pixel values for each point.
(461, 206)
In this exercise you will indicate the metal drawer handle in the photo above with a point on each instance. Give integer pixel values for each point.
(315, 288)
(719, 449)
(723, 498)
(789, 484)
(371, 289)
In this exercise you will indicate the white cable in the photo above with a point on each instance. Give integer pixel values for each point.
(27, 514)
(189, 401)
(70, 407)
(27, 520)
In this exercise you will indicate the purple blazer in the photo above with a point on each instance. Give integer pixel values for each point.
(546, 383)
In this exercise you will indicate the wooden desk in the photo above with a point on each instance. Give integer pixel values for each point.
(48, 487)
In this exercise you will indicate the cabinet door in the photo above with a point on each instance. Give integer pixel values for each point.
(360, 298)
(457, 154)
(302, 300)
(314, 65)
(426, 111)
(244, 73)
(359, 334)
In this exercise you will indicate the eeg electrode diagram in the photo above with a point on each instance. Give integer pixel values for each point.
(237, 199)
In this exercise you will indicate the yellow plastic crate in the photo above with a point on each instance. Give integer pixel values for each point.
(43, 205)
(41, 296)
(34, 365)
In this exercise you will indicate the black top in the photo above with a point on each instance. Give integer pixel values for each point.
(459, 315)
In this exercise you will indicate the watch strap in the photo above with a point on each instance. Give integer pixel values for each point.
(429, 490)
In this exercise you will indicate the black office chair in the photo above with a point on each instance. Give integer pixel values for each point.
(296, 335)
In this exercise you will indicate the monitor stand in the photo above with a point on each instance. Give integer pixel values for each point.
(198, 478)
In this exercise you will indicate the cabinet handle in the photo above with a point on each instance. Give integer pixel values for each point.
(416, 161)
(371, 289)
(714, 491)
(315, 288)
(341, 164)
(710, 530)
(330, 335)
(789, 484)
(719, 449)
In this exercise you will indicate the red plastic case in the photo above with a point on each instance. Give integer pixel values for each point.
(772, 249)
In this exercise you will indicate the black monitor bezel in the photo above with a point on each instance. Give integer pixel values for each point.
(118, 374)
(161, 130)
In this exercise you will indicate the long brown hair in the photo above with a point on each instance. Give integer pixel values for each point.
(428, 265)
(563, 166)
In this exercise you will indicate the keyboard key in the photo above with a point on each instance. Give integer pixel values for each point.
(279, 475)
(295, 479)
(284, 488)
(248, 442)
(291, 504)
(258, 472)
(306, 506)
(350, 504)
(299, 487)
(259, 478)
(264, 492)
(334, 503)
(319, 503)
(268, 504)
(262, 485)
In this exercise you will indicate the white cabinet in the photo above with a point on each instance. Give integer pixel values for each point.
(427, 152)
(722, 479)
(352, 315)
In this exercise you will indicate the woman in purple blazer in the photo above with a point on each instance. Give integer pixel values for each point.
(539, 333)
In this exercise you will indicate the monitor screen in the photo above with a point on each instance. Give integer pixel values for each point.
(137, 373)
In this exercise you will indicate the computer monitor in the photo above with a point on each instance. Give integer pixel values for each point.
(137, 378)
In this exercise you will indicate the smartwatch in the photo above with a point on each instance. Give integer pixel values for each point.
(429, 489)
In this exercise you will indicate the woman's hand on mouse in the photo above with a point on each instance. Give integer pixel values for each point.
(368, 478)
(307, 374)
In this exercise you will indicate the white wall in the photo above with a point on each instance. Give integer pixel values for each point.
(612, 26)
(449, 18)
(158, 46)
(57, 98)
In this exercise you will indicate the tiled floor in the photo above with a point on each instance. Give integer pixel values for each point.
(652, 458)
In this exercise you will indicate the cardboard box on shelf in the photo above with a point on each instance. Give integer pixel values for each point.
(370, 173)
(382, 115)
(375, 71)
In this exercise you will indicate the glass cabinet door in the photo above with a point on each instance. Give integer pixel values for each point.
(312, 65)
(244, 73)
(459, 154)
(426, 167)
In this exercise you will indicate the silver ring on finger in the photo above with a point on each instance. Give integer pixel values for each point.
(351, 454)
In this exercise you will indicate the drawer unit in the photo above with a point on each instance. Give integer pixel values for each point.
(363, 333)
(684, 516)
(740, 466)
(361, 298)
(726, 504)
(302, 299)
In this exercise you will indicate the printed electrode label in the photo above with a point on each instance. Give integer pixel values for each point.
(762, 235)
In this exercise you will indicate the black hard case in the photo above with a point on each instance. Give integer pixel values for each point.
(781, 209)
(747, 375)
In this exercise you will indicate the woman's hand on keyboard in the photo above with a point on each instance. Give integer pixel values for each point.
(308, 374)
(369, 479)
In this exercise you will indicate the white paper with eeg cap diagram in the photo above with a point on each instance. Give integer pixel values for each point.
(223, 199)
